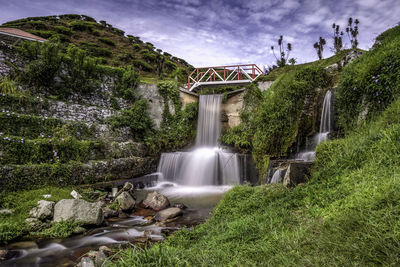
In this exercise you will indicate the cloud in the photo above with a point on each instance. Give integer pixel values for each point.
(217, 32)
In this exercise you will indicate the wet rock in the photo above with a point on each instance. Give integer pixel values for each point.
(86, 262)
(144, 212)
(8, 254)
(75, 194)
(180, 206)
(23, 245)
(78, 210)
(106, 250)
(6, 212)
(297, 172)
(43, 210)
(79, 230)
(125, 201)
(126, 188)
(123, 215)
(3, 254)
(100, 258)
(168, 214)
(156, 201)
(109, 213)
(92, 254)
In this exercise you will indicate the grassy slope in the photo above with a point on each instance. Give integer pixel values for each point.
(92, 37)
(348, 214)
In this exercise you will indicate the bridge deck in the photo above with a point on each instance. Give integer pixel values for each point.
(223, 75)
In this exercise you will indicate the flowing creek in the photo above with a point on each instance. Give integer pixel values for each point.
(198, 178)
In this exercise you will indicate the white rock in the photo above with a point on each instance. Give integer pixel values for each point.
(75, 194)
(43, 210)
(78, 210)
(168, 214)
(125, 201)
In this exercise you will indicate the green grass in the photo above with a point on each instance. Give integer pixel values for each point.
(14, 226)
(347, 215)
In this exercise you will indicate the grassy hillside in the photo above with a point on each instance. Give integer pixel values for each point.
(348, 214)
(105, 42)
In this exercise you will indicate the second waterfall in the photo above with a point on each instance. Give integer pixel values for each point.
(205, 163)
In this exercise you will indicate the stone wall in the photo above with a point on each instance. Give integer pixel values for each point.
(187, 97)
(156, 102)
(231, 109)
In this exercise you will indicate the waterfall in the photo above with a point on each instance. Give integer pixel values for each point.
(325, 128)
(326, 123)
(277, 177)
(206, 163)
(209, 120)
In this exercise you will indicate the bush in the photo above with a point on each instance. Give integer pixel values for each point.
(63, 30)
(107, 41)
(136, 118)
(83, 26)
(128, 83)
(40, 73)
(8, 86)
(142, 65)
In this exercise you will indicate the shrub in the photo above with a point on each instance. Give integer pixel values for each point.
(40, 73)
(63, 30)
(8, 86)
(136, 118)
(107, 41)
(142, 65)
(83, 26)
(128, 83)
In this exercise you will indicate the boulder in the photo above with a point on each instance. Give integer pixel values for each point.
(156, 201)
(43, 210)
(126, 188)
(297, 172)
(79, 230)
(106, 250)
(109, 213)
(100, 258)
(168, 214)
(86, 262)
(125, 201)
(78, 210)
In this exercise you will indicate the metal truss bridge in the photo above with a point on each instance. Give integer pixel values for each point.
(223, 75)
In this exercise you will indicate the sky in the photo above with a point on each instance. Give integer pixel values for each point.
(222, 32)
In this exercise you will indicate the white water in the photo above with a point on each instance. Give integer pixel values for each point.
(325, 128)
(277, 177)
(206, 163)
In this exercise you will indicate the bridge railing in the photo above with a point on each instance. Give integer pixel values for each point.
(234, 74)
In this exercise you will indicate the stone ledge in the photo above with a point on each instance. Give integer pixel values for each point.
(20, 177)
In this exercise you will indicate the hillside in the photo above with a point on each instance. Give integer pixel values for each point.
(347, 214)
(104, 42)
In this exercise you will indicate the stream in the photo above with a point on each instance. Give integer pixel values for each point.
(136, 229)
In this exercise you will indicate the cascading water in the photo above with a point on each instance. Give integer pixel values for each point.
(206, 164)
(324, 129)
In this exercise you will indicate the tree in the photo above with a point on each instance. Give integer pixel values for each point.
(283, 56)
(319, 46)
(292, 61)
(337, 38)
(352, 32)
